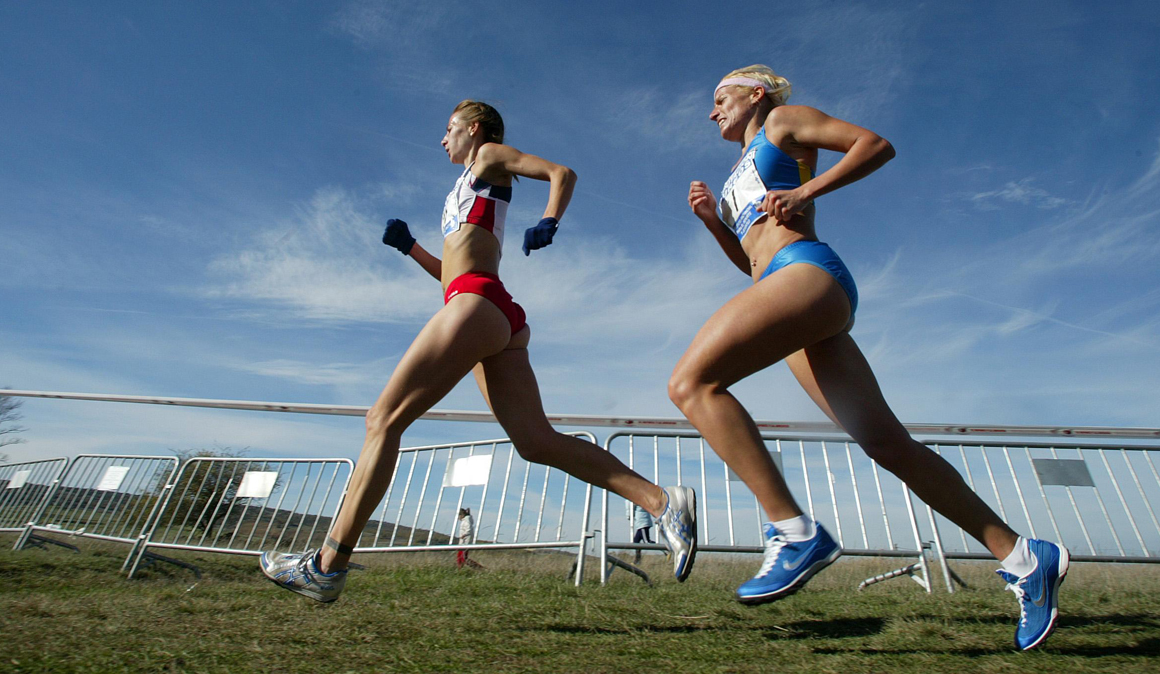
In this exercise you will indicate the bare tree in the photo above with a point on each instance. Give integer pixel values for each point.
(9, 415)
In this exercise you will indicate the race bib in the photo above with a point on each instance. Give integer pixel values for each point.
(451, 212)
(741, 196)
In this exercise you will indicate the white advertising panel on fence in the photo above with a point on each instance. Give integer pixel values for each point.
(257, 484)
(18, 479)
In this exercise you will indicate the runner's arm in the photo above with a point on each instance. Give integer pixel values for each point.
(431, 264)
(704, 206)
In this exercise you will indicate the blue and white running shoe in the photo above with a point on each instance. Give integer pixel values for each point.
(678, 527)
(787, 565)
(299, 573)
(1038, 593)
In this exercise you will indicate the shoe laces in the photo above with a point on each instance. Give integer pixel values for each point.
(773, 546)
(1021, 595)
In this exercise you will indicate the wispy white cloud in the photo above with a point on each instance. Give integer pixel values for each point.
(1017, 192)
(327, 265)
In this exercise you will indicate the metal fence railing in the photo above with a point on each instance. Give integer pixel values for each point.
(868, 510)
(1100, 501)
(514, 504)
(105, 497)
(24, 488)
(244, 506)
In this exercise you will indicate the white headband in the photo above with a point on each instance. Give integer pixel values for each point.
(741, 81)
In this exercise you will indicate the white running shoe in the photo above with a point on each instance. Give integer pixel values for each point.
(678, 527)
(299, 573)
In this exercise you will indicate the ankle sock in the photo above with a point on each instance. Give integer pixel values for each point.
(796, 529)
(1020, 562)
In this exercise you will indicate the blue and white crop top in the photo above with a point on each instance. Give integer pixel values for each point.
(476, 202)
(764, 167)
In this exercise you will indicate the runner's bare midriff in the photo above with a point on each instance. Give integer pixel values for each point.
(767, 236)
(472, 248)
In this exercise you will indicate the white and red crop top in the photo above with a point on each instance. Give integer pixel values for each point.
(476, 202)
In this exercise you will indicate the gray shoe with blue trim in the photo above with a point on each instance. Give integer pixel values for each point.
(299, 573)
(678, 527)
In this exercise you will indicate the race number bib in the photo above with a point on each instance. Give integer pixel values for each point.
(741, 196)
(451, 211)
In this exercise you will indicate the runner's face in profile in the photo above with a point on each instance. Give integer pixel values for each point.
(732, 109)
(457, 141)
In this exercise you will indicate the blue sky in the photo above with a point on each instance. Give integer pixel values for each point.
(191, 197)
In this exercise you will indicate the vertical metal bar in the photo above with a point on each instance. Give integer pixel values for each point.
(309, 505)
(523, 497)
(233, 501)
(970, 483)
(423, 495)
(325, 498)
(165, 470)
(229, 508)
(994, 484)
(483, 498)
(857, 496)
(656, 459)
(631, 459)
(1043, 495)
(507, 474)
(728, 501)
(128, 504)
(938, 546)
(1075, 507)
(703, 529)
(92, 508)
(583, 547)
(1123, 503)
(278, 508)
(1019, 491)
(543, 499)
(918, 536)
(1108, 519)
(266, 465)
(138, 504)
(194, 463)
(293, 509)
(806, 476)
(833, 496)
(439, 500)
(87, 498)
(885, 514)
(383, 510)
(1143, 495)
(403, 501)
(224, 492)
(680, 479)
(563, 508)
(1079, 515)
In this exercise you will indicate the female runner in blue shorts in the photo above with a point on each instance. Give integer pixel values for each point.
(800, 309)
(481, 330)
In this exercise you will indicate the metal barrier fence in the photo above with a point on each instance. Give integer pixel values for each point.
(868, 510)
(244, 506)
(24, 488)
(103, 496)
(1099, 501)
(514, 504)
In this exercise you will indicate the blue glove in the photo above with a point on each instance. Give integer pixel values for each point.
(398, 236)
(541, 235)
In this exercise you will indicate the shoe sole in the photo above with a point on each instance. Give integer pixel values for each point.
(297, 590)
(809, 573)
(693, 547)
(1064, 563)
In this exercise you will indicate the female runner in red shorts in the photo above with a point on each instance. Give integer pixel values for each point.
(480, 330)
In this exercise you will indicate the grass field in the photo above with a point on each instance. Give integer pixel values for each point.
(67, 612)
